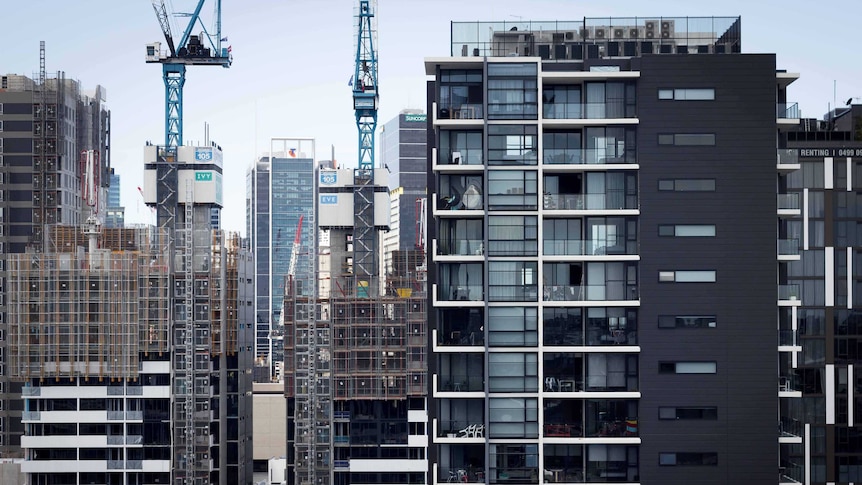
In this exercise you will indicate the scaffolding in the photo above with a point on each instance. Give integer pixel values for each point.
(87, 315)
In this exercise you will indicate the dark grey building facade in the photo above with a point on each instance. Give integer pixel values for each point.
(403, 154)
(602, 258)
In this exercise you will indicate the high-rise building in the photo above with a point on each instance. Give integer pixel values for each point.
(45, 122)
(115, 215)
(820, 293)
(403, 154)
(279, 191)
(603, 267)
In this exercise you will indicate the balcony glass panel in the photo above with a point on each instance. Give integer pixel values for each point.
(789, 201)
(611, 326)
(463, 237)
(563, 463)
(562, 148)
(460, 192)
(611, 99)
(514, 463)
(460, 148)
(455, 416)
(456, 459)
(611, 418)
(601, 281)
(602, 191)
(612, 463)
(610, 144)
(562, 326)
(461, 372)
(788, 247)
(563, 372)
(461, 94)
(460, 326)
(562, 102)
(563, 418)
(461, 282)
(787, 110)
(788, 156)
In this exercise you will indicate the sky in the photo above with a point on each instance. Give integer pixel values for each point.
(293, 60)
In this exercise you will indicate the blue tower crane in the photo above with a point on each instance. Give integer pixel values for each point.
(196, 50)
(365, 100)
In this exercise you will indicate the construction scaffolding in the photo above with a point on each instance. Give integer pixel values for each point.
(88, 315)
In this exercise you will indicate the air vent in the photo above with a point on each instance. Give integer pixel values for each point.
(570, 36)
(619, 33)
(633, 33)
(649, 34)
(600, 33)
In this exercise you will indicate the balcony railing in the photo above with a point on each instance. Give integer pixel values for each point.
(606, 201)
(461, 293)
(585, 247)
(462, 383)
(787, 110)
(461, 337)
(564, 430)
(788, 156)
(462, 475)
(789, 201)
(589, 111)
(462, 247)
(460, 111)
(587, 293)
(788, 384)
(788, 337)
(788, 292)
(31, 391)
(588, 156)
(461, 429)
(788, 427)
(788, 247)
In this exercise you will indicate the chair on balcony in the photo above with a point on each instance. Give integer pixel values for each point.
(472, 431)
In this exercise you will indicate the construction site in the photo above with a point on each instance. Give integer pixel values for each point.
(355, 338)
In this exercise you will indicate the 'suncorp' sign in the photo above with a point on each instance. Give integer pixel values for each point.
(419, 118)
(328, 199)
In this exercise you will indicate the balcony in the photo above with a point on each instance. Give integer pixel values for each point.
(461, 293)
(588, 111)
(788, 159)
(462, 383)
(789, 295)
(586, 156)
(789, 472)
(461, 247)
(587, 247)
(788, 250)
(789, 430)
(789, 111)
(461, 429)
(462, 475)
(587, 293)
(788, 338)
(465, 111)
(604, 201)
(789, 384)
(789, 204)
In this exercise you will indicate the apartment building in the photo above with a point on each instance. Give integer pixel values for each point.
(603, 274)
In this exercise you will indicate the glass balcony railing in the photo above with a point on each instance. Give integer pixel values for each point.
(789, 472)
(789, 202)
(462, 383)
(788, 337)
(461, 247)
(462, 475)
(460, 111)
(588, 293)
(787, 110)
(588, 156)
(461, 293)
(589, 111)
(564, 430)
(461, 428)
(788, 384)
(605, 201)
(788, 247)
(788, 156)
(789, 427)
(788, 292)
(585, 247)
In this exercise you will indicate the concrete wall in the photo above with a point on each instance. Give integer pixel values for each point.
(270, 421)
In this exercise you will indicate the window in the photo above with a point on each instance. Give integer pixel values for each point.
(611, 144)
(612, 99)
(513, 144)
(513, 417)
(687, 139)
(461, 94)
(513, 372)
(686, 185)
(686, 230)
(686, 321)
(1, 124)
(561, 102)
(700, 94)
(562, 147)
(513, 190)
(513, 91)
(513, 281)
(688, 459)
(512, 235)
(687, 276)
(709, 412)
(460, 148)
(513, 326)
(687, 367)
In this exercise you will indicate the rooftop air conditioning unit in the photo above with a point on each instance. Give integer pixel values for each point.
(586, 33)
(667, 29)
(599, 33)
(635, 33)
(650, 29)
(619, 33)
(570, 36)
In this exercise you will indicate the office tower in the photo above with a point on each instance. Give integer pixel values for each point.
(356, 380)
(819, 331)
(45, 122)
(115, 215)
(279, 190)
(603, 253)
(403, 155)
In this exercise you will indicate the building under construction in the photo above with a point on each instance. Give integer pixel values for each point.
(91, 336)
(356, 352)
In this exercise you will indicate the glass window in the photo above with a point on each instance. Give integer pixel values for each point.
(460, 237)
(512, 190)
(562, 147)
(611, 99)
(691, 94)
(687, 139)
(460, 192)
(513, 145)
(461, 281)
(687, 321)
(513, 418)
(687, 367)
(460, 148)
(513, 327)
(513, 372)
(611, 144)
(687, 230)
(513, 281)
(513, 236)
(461, 94)
(687, 185)
(562, 102)
(513, 91)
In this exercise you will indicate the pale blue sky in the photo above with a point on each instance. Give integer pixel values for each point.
(293, 58)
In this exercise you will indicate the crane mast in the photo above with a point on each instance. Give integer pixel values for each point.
(365, 101)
